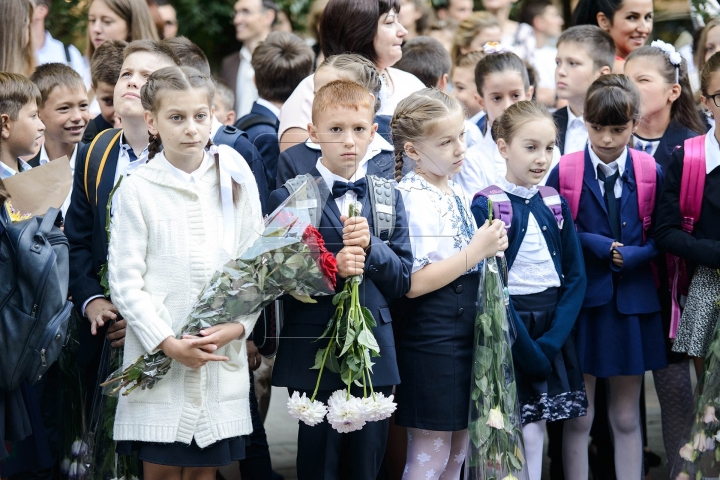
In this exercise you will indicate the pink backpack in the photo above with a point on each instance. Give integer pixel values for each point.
(502, 207)
(572, 171)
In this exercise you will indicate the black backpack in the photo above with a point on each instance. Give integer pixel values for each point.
(34, 309)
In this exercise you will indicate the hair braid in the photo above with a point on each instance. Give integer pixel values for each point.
(154, 146)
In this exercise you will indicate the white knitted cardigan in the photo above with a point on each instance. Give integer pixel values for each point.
(166, 243)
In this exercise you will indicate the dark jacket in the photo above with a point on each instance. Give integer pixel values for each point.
(634, 282)
(386, 278)
(561, 122)
(301, 158)
(265, 139)
(534, 356)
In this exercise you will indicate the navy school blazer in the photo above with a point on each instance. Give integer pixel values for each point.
(561, 122)
(673, 138)
(387, 277)
(634, 282)
(300, 159)
(265, 139)
(534, 355)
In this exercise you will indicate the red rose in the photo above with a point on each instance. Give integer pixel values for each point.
(314, 241)
(328, 266)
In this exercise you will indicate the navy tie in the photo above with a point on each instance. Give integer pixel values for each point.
(341, 188)
(611, 201)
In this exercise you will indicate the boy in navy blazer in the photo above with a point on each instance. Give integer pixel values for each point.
(343, 127)
(281, 62)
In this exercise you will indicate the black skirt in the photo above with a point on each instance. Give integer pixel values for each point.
(434, 352)
(562, 394)
(222, 452)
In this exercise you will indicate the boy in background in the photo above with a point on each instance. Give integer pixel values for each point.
(547, 24)
(281, 62)
(105, 70)
(584, 53)
(64, 110)
(465, 89)
(224, 102)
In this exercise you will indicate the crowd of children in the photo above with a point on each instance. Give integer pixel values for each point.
(591, 158)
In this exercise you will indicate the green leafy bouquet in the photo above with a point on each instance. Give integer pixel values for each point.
(700, 456)
(349, 353)
(289, 257)
(495, 449)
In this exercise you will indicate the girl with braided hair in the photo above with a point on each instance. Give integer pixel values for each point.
(434, 346)
(177, 220)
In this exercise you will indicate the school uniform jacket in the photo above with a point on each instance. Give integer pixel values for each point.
(634, 282)
(673, 138)
(300, 159)
(561, 122)
(265, 140)
(85, 231)
(535, 356)
(386, 278)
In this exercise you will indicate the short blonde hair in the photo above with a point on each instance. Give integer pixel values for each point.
(470, 28)
(342, 93)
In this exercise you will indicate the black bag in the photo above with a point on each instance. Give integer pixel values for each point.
(34, 310)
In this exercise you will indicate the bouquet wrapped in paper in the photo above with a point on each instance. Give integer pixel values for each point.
(699, 456)
(288, 258)
(495, 447)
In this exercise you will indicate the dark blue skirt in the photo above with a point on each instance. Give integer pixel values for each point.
(562, 394)
(611, 343)
(434, 353)
(177, 454)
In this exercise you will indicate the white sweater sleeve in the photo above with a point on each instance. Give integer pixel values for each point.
(126, 268)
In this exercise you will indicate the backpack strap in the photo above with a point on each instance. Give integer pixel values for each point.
(97, 155)
(692, 185)
(252, 119)
(501, 206)
(571, 173)
(228, 135)
(382, 200)
(646, 180)
(68, 61)
(551, 198)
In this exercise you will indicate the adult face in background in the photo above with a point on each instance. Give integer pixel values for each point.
(169, 16)
(457, 10)
(253, 21)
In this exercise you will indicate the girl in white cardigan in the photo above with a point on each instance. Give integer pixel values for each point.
(173, 226)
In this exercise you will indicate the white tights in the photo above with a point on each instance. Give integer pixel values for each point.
(624, 415)
(533, 438)
(433, 455)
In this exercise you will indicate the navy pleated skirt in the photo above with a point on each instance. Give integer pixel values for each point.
(434, 353)
(177, 454)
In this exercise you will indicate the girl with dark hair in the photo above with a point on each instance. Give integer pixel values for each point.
(629, 23)
(367, 27)
(619, 334)
(172, 222)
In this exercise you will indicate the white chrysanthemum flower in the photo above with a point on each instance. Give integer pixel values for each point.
(345, 415)
(78, 448)
(310, 413)
(709, 414)
(379, 408)
(65, 466)
(495, 419)
(687, 452)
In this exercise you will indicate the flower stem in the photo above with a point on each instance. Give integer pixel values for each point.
(327, 349)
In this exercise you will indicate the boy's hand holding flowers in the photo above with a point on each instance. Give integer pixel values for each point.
(356, 231)
(351, 261)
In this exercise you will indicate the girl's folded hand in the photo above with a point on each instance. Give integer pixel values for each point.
(187, 354)
(214, 338)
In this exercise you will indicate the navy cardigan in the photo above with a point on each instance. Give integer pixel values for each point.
(534, 356)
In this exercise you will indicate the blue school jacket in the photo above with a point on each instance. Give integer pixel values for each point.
(534, 356)
(635, 284)
(265, 139)
(300, 159)
(386, 278)
(673, 138)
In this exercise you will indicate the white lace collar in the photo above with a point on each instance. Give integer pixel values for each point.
(516, 189)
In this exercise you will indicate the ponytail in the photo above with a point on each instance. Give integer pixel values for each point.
(398, 165)
(154, 146)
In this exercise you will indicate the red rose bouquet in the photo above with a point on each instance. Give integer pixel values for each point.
(288, 258)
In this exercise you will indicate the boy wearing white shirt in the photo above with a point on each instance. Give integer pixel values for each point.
(21, 126)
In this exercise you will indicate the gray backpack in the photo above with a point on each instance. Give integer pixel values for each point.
(34, 309)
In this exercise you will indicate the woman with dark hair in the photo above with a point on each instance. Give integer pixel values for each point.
(629, 23)
(367, 27)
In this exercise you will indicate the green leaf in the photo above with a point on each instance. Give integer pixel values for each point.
(339, 297)
(349, 338)
(369, 319)
(318, 359)
(367, 339)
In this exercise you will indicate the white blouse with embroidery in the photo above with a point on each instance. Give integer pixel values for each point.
(439, 224)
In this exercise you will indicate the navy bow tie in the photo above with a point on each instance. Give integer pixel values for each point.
(341, 188)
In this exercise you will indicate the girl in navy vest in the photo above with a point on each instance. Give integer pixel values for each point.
(669, 117)
(434, 347)
(701, 248)
(546, 278)
(619, 330)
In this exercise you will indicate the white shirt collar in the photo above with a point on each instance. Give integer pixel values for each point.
(273, 109)
(184, 177)
(6, 171)
(476, 118)
(379, 144)
(712, 151)
(45, 159)
(572, 118)
(516, 190)
(330, 178)
(608, 168)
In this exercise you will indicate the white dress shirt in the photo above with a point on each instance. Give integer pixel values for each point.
(476, 118)
(576, 135)
(6, 171)
(644, 145)
(343, 202)
(273, 109)
(712, 151)
(609, 169)
(245, 91)
(45, 159)
(53, 51)
(185, 177)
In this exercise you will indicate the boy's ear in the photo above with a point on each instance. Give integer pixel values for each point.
(231, 117)
(312, 133)
(150, 122)
(480, 101)
(410, 151)
(606, 70)
(442, 83)
(5, 121)
(503, 148)
(373, 132)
